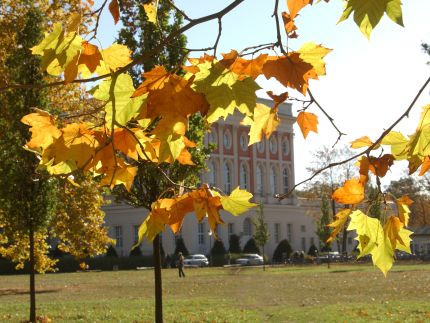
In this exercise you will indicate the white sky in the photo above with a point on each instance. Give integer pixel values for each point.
(368, 85)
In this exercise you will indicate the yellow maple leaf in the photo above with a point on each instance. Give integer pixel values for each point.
(307, 122)
(114, 57)
(237, 202)
(264, 122)
(313, 54)
(352, 192)
(361, 142)
(151, 10)
(43, 129)
(338, 224)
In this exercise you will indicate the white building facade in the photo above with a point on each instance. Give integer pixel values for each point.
(265, 169)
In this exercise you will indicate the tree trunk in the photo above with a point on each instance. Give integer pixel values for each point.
(158, 282)
(333, 210)
(264, 262)
(32, 277)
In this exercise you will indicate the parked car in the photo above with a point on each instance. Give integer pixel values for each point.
(196, 260)
(250, 259)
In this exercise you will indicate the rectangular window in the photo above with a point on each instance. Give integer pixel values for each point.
(303, 228)
(349, 240)
(230, 229)
(312, 241)
(290, 232)
(201, 233)
(135, 233)
(118, 236)
(304, 244)
(277, 232)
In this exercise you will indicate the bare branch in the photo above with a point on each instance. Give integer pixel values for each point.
(219, 36)
(367, 151)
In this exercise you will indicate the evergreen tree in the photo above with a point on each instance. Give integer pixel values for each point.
(111, 252)
(180, 247)
(218, 248)
(234, 244)
(313, 251)
(282, 252)
(251, 247)
(323, 231)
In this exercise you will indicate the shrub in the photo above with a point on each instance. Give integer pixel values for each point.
(234, 244)
(282, 251)
(218, 249)
(313, 251)
(111, 252)
(136, 252)
(251, 247)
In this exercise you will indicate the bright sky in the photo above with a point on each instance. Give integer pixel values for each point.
(369, 84)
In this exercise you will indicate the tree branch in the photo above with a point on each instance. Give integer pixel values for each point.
(367, 151)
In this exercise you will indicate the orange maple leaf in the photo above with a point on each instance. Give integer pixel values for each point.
(43, 129)
(391, 228)
(244, 67)
(289, 25)
(277, 99)
(90, 56)
(291, 71)
(294, 6)
(352, 192)
(307, 122)
(114, 10)
(339, 223)
(425, 166)
(361, 142)
(154, 80)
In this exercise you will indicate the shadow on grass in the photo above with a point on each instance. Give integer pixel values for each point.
(21, 291)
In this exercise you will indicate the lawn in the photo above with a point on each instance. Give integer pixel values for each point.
(344, 293)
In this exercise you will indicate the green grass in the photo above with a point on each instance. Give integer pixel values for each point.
(344, 293)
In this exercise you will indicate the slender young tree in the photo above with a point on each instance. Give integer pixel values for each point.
(261, 234)
(323, 231)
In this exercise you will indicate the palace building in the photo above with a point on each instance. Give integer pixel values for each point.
(265, 169)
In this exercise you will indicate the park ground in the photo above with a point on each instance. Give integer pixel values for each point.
(314, 293)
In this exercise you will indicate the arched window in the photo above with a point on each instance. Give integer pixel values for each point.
(285, 147)
(244, 141)
(260, 146)
(227, 178)
(243, 176)
(213, 173)
(247, 227)
(260, 180)
(273, 145)
(213, 137)
(273, 181)
(285, 181)
(227, 139)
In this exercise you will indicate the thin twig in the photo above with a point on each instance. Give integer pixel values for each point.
(218, 37)
(340, 133)
(99, 13)
(186, 17)
(278, 29)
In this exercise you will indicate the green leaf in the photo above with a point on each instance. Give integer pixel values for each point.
(238, 201)
(398, 144)
(126, 108)
(224, 91)
(368, 13)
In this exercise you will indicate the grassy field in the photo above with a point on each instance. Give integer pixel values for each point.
(344, 293)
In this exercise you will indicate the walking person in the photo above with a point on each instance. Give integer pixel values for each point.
(181, 265)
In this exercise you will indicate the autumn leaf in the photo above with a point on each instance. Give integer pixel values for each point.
(126, 141)
(243, 67)
(361, 142)
(403, 204)
(294, 6)
(307, 122)
(117, 93)
(289, 25)
(90, 57)
(154, 80)
(352, 192)
(43, 129)
(237, 202)
(114, 57)
(121, 173)
(277, 99)
(425, 166)
(114, 10)
(392, 228)
(338, 224)
(398, 144)
(313, 54)
(291, 71)
(368, 13)
(73, 22)
(224, 91)
(151, 10)
(263, 124)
